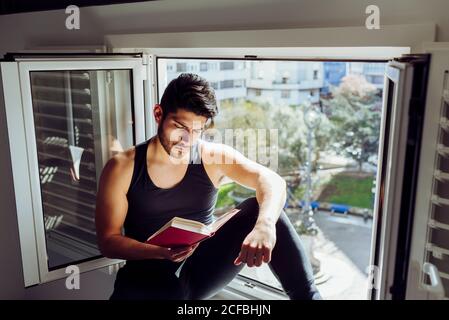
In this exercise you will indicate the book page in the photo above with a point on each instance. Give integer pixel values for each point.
(214, 226)
(198, 228)
(187, 222)
(184, 224)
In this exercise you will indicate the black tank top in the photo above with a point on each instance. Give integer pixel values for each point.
(150, 207)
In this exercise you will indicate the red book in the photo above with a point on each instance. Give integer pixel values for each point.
(180, 232)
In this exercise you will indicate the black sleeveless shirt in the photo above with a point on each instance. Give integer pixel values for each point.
(150, 207)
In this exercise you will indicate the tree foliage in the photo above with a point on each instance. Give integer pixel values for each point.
(355, 111)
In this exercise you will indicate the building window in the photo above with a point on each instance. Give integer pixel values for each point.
(239, 83)
(285, 77)
(214, 85)
(285, 94)
(203, 66)
(302, 75)
(315, 74)
(181, 67)
(227, 65)
(258, 92)
(226, 84)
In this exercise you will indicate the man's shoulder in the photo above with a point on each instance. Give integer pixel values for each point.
(125, 157)
(121, 164)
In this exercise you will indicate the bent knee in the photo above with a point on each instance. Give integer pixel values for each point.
(249, 207)
(249, 204)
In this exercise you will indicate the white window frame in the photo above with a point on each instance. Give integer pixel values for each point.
(23, 149)
(399, 75)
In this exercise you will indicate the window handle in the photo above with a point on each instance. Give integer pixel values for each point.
(436, 285)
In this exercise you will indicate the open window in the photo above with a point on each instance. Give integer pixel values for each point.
(392, 260)
(274, 96)
(66, 116)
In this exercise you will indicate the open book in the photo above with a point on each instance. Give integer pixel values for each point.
(179, 232)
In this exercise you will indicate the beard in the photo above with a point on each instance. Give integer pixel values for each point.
(170, 147)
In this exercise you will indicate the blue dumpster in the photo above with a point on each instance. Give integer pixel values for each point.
(339, 208)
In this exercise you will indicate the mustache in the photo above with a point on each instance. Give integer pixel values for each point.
(181, 144)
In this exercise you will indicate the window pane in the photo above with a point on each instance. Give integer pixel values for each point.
(226, 65)
(81, 119)
(181, 67)
(226, 84)
(203, 66)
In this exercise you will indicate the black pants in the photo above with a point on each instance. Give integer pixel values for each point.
(210, 268)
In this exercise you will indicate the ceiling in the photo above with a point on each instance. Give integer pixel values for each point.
(19, 6)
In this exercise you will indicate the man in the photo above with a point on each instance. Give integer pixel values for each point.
(144, 187)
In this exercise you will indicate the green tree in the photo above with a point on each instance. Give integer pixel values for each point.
(288, 120)
(354, 111)
(291, 137)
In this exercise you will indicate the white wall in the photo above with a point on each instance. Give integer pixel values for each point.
(23, 31)
(20, 31)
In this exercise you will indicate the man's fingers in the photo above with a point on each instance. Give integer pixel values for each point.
(176, 253)
(180, 249)
(259, 254)
(180, 257)
(242, 255)
(251, 255)
(190, 253)
(180, 254)
(266, 255)
(237, 261)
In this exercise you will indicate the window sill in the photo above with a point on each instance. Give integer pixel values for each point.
(242, 288)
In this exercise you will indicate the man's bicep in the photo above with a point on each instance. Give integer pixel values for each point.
(111, 204)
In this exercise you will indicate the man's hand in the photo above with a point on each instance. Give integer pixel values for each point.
(258, 245)
(179, 254)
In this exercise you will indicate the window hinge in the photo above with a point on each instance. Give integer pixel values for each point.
(249, 284)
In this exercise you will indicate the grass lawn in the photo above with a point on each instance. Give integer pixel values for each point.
(350, 189)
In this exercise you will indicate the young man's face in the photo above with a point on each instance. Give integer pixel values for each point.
(179, 131)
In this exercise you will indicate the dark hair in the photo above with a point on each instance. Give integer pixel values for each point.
(192, 93)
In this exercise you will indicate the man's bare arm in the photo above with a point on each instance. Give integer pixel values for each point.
(270, 193)
(270, 187)
(111, 209)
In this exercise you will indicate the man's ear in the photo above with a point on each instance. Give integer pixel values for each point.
(158, 113)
